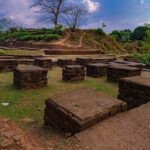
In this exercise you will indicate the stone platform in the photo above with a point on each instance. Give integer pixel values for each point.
(83, 61)
(125, 131)
(30, 77)
(64, 62)
(96, 70)
(25, 61)
(7, 65)
(117, 72)
(135, 91)
(73, 73)
(79, 109)
(43, 63)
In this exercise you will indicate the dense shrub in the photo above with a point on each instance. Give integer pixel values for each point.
(143, 58)
(44, 37)
(21, 34)
(100, 32)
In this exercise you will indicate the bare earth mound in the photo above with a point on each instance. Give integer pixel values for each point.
(126, 131)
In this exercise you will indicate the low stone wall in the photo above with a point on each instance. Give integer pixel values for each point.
(25, 61)
(71, 52)
(84, 61)
(30, 77)
(96, 70)
(104, 60)
(79, 109)
(135, 91)
(73, 73)
(136, 65)
(43, 62)
(7, 65)
(64, 62)
(117, 72)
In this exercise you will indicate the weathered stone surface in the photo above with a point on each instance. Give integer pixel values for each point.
(7, 65)
(25, 61)
(64, 62)
(104, 59)
(134, 90)
(84, 61)
(73, 73)
(30, 77)
(125, 131)
(96, 70)
(79, 109)
(117, 72)
(44, 63)
(135, 64)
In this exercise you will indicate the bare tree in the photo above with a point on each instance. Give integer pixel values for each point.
(76, 15)
(51, 9)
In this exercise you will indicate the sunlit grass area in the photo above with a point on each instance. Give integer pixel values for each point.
(19, 52)
(30, 103)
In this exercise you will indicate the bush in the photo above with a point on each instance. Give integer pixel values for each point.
(100, 32)
(143, 58)
(44, 37)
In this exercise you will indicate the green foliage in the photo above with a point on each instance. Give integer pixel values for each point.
(140, 33)
(143, 58)
(121, 36)
(145, 44)
(100, 32)
(32, 34)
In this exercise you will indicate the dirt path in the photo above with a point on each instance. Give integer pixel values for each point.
(81, 40)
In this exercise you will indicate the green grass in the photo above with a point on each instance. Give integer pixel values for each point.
(19, 52)
(26, 103)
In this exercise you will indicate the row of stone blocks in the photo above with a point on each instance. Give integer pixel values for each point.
(114, 72)
(30, 77)
(10, 64)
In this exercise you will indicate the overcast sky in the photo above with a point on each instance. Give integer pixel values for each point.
(117, 14)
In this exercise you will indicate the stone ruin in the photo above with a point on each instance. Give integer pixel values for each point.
(96, 70)
(73, 73)
(25, 61)
(135, 91)
(64, 62)
(83, 61)
(43, 63)
(79, 109)
(30, 77)
(7, 65)
(117, 72)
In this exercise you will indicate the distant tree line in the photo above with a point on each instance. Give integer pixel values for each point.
(139, 34)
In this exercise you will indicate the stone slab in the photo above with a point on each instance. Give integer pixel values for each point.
(117, 72)
(79, 109)
(135, 91)
(125, 131)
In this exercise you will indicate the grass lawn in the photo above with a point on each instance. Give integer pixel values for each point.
(19, 52)
(27, 103)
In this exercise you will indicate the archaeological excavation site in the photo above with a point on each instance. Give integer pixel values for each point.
(74, 75)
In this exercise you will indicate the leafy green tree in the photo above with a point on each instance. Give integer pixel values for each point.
(140, 33)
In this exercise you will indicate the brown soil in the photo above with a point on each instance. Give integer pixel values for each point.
(13, 138)
(126, 131)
